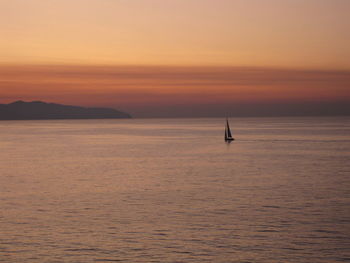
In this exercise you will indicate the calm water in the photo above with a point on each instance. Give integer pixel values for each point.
(173, 191)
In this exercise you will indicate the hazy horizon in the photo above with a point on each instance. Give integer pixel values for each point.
(168, 91)
(336, 109)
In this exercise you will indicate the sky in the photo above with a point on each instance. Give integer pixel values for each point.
(179, 58)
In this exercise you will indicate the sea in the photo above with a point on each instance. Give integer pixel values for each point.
(172, 190)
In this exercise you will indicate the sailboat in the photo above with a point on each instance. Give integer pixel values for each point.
(228, 135)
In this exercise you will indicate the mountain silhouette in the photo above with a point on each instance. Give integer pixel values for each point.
(38, 110)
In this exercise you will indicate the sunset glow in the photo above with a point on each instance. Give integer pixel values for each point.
(138, 55)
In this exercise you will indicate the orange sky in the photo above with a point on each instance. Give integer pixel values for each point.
(138, 54)
(137, 89)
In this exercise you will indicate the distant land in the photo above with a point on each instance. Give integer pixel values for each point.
(38, 110)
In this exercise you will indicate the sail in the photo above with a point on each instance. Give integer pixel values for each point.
(228, 131)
